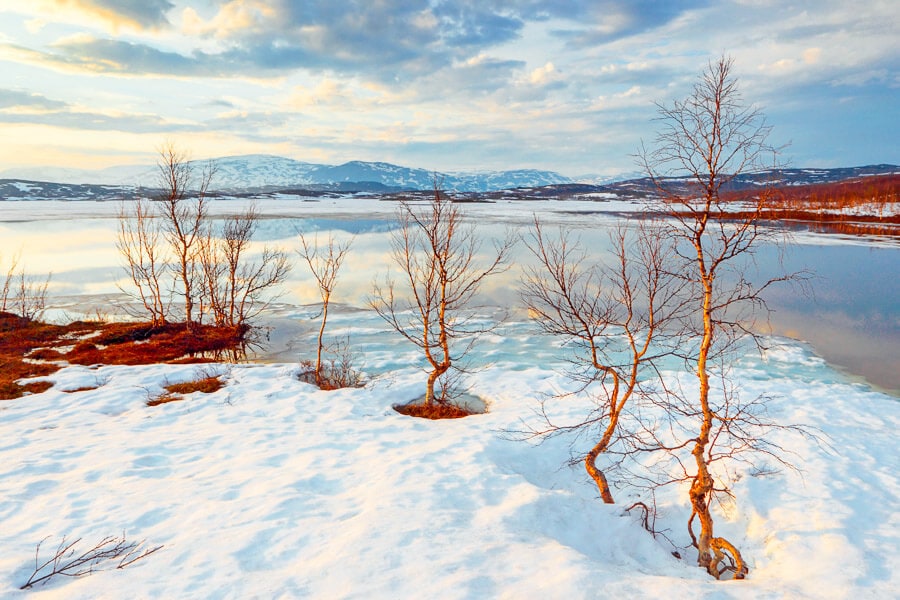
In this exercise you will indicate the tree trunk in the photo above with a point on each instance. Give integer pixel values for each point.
(596, 474)
(319, 378)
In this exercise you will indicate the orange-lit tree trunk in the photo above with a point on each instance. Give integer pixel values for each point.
(711, 137)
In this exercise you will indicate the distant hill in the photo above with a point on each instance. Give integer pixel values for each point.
(255, 174)
(264, 172)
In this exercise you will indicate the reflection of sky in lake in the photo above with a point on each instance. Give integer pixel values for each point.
(852, 317)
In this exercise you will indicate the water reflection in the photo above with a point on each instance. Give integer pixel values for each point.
(851, 318)
(850, 315)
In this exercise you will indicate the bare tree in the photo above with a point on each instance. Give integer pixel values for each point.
(437, 253)
(7, 283)
(236, 284)
(138, 241)
(711, 137)
(215, 272)
(598, 307)
(23, 294)
(324, 263)
(182, 209)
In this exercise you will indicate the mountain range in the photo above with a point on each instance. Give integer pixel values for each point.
(264, 173)
(257, 172)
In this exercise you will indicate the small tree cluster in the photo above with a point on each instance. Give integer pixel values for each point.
(682, 292)
(172, 248)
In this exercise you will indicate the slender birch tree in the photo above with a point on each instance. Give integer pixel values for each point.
(437, 252)
(711, 137)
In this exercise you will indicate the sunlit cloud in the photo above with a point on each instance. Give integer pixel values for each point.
(553, 83)
(236, 17)
(113, 15)
(544, 75)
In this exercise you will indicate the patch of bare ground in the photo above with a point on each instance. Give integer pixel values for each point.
(434, 411)
(30, 348)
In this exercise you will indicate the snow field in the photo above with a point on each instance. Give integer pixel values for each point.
(270, 488)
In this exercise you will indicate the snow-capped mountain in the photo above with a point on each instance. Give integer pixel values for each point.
(594, 179)
(257, 171)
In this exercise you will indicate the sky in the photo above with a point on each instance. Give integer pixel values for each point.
(446, 85)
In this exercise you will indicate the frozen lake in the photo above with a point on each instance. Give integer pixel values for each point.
(271, 486)
(851, 319)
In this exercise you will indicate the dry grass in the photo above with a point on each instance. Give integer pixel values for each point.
(828, 207)
(206, 385)
(30, 348)
(433, 411)
(177, 391)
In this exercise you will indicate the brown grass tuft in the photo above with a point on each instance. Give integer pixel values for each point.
(86, 388)
(164, 399)
(176, 391)
(207, 385)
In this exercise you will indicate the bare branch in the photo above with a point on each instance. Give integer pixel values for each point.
(65, 562)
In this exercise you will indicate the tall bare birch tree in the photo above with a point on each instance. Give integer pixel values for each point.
(711, 137)
(182, 209)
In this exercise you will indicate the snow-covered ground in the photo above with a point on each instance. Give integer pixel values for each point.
(270, 488)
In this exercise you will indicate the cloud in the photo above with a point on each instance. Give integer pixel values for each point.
(135, 14)
(607, 21)
(543, 75)
(812, 55)
(87, 53)
(20, 107)
(387, 41)
(17, 99)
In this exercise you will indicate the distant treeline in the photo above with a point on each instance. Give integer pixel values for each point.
(831, 207)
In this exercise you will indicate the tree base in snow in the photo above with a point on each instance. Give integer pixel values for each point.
(464, 406)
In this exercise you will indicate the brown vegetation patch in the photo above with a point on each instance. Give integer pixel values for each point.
(206, 385)
(86, 388)
(139, 344)
(831, 207)
(434, 411)
(863, 206)
(164, 399)
(176, 391)
(25, 344)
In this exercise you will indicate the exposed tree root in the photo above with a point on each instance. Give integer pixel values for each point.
(723, 551)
